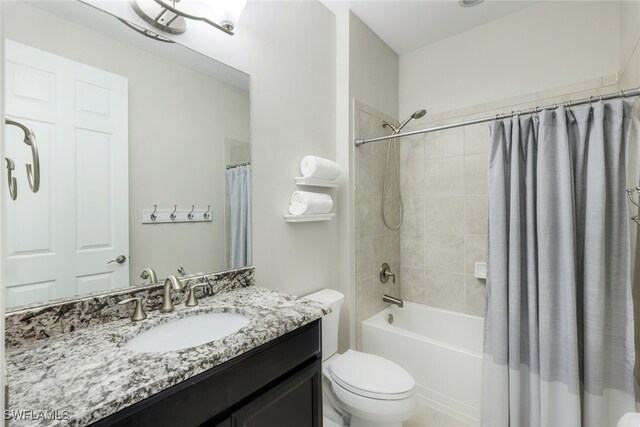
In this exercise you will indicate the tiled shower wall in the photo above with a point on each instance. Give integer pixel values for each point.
(374, 242)
(444, 184)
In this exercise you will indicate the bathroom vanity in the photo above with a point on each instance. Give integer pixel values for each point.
(254, 389)
(267, 373)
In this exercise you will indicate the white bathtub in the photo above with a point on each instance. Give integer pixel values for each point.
(442, 350)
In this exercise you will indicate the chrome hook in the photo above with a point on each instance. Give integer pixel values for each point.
(13, 188)
(190, 214)
(153, 214)
(206, 215)
(173, 214)
(33, 169)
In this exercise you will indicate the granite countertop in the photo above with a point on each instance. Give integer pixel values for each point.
(90, 374)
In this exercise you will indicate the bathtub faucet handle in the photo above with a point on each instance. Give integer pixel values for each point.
(385, 273)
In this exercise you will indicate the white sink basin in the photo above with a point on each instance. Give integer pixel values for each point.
(187, 332)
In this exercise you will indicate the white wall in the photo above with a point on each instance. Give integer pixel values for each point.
(289, 49)
(178, 119)
(548, 45)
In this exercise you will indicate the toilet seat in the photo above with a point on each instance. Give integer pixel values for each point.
(371, 376)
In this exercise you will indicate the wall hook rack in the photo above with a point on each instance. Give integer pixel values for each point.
(175, 215)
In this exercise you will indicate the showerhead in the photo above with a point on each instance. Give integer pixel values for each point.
(417, 115)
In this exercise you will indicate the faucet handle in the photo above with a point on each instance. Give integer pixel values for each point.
(385, 273)
(138, 309)
(192, 301)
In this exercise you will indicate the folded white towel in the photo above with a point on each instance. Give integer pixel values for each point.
(317, 167)
(630, 419)
(307, 203)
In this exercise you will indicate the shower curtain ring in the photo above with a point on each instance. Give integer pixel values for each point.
(622, 94)
(173, 214)
(630, 196)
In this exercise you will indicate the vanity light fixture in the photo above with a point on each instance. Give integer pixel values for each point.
(469, 3)
(169, 15)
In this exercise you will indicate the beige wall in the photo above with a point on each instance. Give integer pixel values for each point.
(548, 45)
(374, 242)
(178, 119)
(373, 69)
(373, 95)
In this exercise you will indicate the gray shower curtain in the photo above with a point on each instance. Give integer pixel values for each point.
(559, 328)
(239, 179)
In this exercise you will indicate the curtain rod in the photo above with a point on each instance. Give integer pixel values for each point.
(622, 94)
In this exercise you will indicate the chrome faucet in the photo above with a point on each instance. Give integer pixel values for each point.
(393, 300)
(170, 282)
(138, 310)
(149, 273)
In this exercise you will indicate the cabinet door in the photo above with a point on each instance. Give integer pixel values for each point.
(296, 402)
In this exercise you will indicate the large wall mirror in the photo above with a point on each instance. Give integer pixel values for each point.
(143, 149)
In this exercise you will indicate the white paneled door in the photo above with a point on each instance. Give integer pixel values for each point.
(59, 241)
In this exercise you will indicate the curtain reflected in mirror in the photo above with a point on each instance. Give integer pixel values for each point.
(239, 179)
(238, 202)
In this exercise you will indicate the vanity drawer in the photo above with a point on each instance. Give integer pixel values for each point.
(212, 396)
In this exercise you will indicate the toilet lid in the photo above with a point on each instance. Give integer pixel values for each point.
(371, 376)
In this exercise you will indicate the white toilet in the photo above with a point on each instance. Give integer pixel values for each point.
(360, 389)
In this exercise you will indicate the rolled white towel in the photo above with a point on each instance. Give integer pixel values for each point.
(317, 167)
(630, 419)
(308, 203)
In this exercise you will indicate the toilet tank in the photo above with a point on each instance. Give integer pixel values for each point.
(330, 322)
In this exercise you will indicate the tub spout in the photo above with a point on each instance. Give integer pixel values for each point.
(393, 300)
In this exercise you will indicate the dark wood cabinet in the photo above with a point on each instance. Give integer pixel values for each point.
(275, 385)
(293, 403)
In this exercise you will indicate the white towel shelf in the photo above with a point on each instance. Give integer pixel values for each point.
(309, 218)
(315, 182)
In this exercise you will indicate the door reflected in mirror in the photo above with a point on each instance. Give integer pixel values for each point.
(145, 161)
